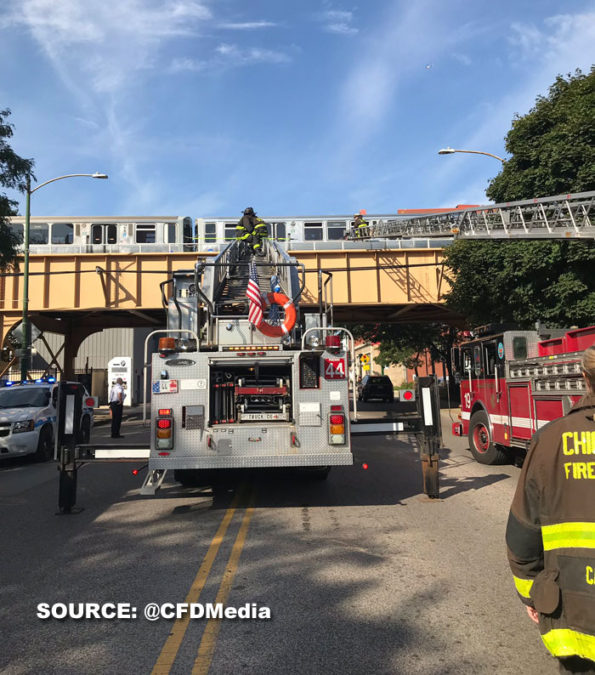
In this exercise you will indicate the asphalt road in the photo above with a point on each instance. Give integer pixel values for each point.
(361, 573)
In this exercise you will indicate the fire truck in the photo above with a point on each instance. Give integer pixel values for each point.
(513, 382)
(241, 378)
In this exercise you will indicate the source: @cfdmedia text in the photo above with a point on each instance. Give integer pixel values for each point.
(152, 611)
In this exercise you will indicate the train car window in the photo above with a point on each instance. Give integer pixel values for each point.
(112, 234)
(62, 233)
(519, 347)
(97, 234)
(38, 233)
(277, 231)
(17, 231)
(335, 229)
(171, 233)
(313, 231)
(210, 232)
(145, 234)
(230, 231)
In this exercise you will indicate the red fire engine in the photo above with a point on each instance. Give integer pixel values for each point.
(513, 382)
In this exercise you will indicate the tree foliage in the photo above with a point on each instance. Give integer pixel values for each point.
(13, 174)
(552, 151)
(552, 147)
(522, 281)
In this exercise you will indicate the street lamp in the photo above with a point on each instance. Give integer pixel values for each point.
(449, 151)
(25, 321)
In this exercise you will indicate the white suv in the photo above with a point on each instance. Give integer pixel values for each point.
(28, 419)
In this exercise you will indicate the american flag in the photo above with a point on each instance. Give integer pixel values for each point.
(253, 294)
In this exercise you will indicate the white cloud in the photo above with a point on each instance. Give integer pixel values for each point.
(338, 22)
(233, 55)
(248, 25)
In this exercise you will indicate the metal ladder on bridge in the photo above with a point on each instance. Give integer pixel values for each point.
(559, 217)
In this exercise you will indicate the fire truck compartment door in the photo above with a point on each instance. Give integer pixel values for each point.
(310, 414)
(520, 411)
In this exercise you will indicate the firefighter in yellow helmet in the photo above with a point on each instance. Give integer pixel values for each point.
(551, 531)
(252, 230)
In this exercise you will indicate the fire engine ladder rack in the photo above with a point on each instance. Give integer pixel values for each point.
(559, 217)
(562, 374)
(225, 280)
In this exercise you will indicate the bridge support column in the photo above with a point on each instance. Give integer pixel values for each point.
(73, 339)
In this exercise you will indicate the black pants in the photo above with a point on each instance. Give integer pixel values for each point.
(116, 409)
(576, 664)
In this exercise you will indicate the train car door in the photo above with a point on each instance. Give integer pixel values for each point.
(102, 236)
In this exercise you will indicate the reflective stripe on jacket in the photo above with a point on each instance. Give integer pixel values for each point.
(551, 531)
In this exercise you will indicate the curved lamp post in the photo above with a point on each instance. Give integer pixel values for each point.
(449, 151)
(25, 321)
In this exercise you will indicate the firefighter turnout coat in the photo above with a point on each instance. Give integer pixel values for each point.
(251, 229)
(551, 531)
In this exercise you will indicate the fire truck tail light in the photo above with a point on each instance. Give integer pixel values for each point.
(337, 429)
(336, 408)
(164, 454)
(164, 424)
(163, 433)
(164, 411)
(337, 419)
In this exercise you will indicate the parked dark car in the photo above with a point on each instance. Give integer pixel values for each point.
(375, 386)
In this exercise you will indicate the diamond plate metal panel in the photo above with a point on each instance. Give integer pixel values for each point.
(249, 444)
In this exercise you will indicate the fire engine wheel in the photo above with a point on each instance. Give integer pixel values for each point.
(45, 445)
(480, 441)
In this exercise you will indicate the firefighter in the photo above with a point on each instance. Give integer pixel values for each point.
(359, 224)
(252, 230)
(551, 531)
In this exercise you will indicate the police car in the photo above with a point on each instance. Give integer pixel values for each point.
(28, 418)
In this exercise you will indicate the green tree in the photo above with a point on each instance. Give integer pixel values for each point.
(552, 151)
(552, 147)
(13, 174)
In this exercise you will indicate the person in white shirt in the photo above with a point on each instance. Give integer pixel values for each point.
(116, 403)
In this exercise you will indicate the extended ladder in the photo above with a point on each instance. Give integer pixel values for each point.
(559, 217)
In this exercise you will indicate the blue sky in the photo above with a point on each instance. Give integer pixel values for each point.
(202, 108)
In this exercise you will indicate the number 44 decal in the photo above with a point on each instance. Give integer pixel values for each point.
(334, 369)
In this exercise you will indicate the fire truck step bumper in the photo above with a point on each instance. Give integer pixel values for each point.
(260, 461)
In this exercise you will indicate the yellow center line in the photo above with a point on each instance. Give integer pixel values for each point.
(209, 638)
(172, 644)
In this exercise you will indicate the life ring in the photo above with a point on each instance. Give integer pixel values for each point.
(290, 316)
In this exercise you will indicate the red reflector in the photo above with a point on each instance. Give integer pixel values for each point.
(89, 402)
(364, 466)
(337, 419)
(164, 454)
(164, 411)
(163, 424)
(407, 395)
(135, 472)
(337, 407)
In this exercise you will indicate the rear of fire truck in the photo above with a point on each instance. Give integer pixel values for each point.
(233, 387)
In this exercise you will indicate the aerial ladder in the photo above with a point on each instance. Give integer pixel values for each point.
(559, 217)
